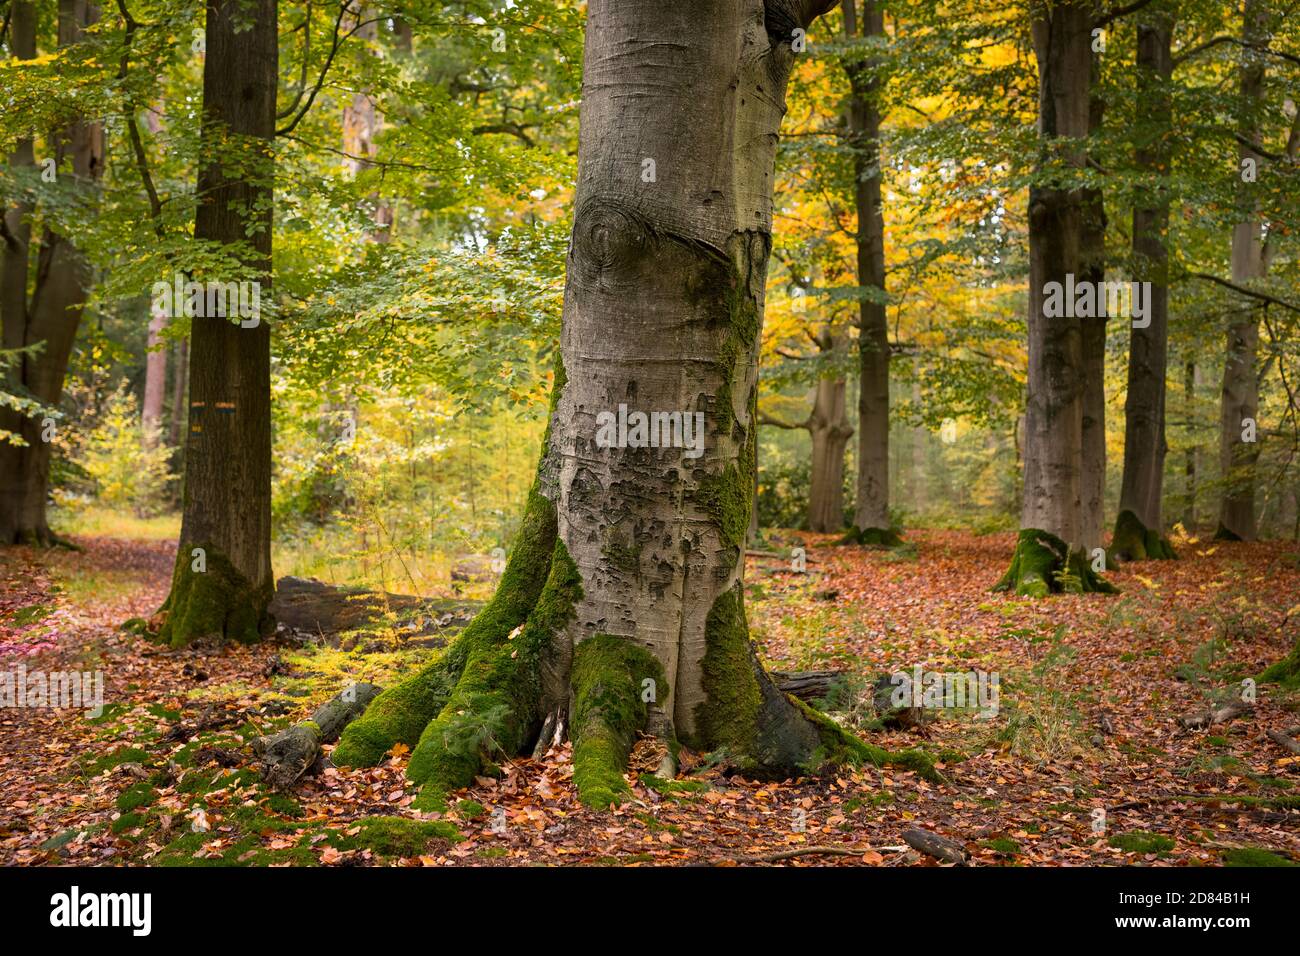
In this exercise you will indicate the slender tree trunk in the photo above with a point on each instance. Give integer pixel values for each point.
(155, 379)
(871, 516)
(830, 430)
(622, 605)
(1052, 512)
(1140, 525)
(1239, 403)
(361, 124)
(1192, 456)
(51, 318)
(222, 582)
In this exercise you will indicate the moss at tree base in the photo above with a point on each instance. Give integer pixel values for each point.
(217, 602)
(1134, 541)
(1043, 564)
(1224, 533)
(873, 537)
(609, 707)
(496, 706)
(1285, 672)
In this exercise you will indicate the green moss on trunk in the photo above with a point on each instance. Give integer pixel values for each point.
(215, 602)
(608, 710)
(728, 716)
(1134, 541)
(495, 707)
(841, 748)
(1043, 564)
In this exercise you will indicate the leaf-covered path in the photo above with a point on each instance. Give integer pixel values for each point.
(1091, 691)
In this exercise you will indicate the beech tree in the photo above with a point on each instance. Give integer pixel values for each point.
(222, 583)
(621, 606)
(1050, 553)
(1139, 526)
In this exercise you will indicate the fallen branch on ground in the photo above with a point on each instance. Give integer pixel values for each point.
(286, 756)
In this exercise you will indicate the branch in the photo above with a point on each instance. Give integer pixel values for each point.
(1218, 41)
(765, 419)
(1242, 290)
(302, 77)
(335, 44)
(1107, 18)
(133, 128)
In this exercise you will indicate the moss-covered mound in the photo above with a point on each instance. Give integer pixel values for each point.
(1134, 541)
(1043, 564)
(873, 537)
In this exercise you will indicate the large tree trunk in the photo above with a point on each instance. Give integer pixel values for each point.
(871, 521)
(1052, 512)
(51, 318)
(622, 606)
(181, 367)
(224, 590)
(1239, 400)
(1139, 527)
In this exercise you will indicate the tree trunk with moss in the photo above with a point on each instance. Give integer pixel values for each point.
(1050, 550)
(621, 608)
(50, 317)
(871, 522)
(1139, 527)
(222, 581)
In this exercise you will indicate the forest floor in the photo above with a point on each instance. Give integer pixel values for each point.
(1085, 762)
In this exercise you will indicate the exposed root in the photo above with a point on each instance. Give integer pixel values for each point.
(873, 537)
(217, 602)
(610, 675)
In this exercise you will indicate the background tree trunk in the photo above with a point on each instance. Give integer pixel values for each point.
(871, 515)
(227, 494)
(1139, 528)
(829, 427)
(63, 277)
(1240, 393)
(155, 379)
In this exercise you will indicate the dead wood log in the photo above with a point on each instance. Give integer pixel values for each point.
(286, 756)
(1220, 714)
(1287, 742)
(808, 686)
(939, 847)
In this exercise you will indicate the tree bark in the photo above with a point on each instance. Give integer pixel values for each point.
(871, 514)
(51, 317)
(1239, 399)
(181, 367)
(622, 602)
(1140, 527)
(224, 590)
(1092, 342)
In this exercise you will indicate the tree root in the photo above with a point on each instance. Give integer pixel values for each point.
(286, 756)
(1043, 564)
(1134, 541)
